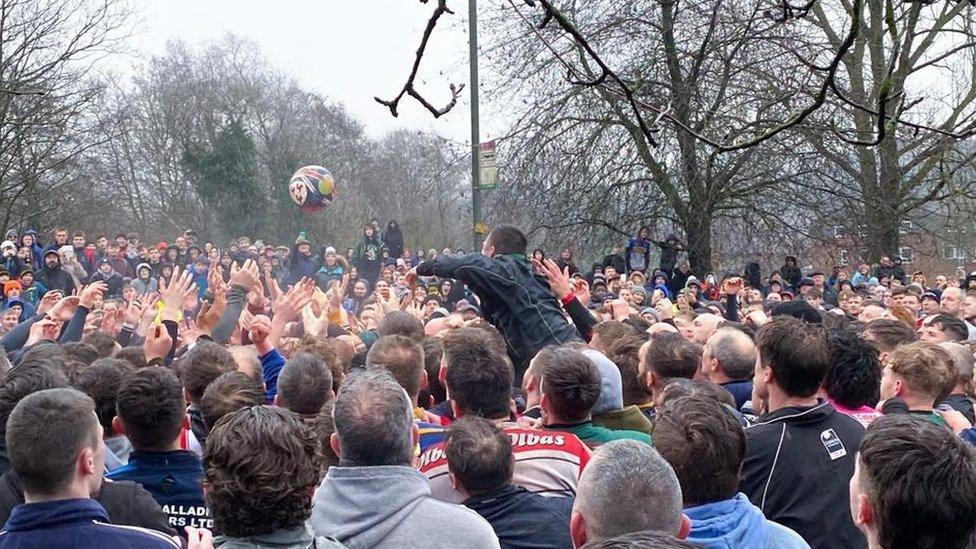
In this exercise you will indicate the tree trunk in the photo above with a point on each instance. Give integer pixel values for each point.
(882, 228)
(698, 238)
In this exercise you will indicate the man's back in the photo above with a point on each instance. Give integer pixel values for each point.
(174, 480)
(516, 301)
(523, 520)
(391, 507)
(546, 462)
(798, 464)
(74, 523)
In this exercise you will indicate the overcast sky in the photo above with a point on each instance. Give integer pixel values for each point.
(348, 50)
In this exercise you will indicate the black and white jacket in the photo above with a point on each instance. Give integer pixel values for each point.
(799, 461)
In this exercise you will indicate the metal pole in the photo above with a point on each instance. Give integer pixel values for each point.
(475, 130)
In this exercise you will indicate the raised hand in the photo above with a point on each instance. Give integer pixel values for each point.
(247, 276)
(289, 306)
(210, 313)
(559, 281)
(44, 329)
(175, 293)
(48, 301)
(90, 293)
(158, 343)
(64, 308)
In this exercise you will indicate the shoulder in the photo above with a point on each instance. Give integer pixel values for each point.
(457, 516)
(784, 538)
(147, 538)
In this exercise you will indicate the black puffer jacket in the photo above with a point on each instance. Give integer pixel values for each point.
(514, 299)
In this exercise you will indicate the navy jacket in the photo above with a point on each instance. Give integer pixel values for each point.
(514, 299)
(175, 481)
(74, 523)
(523, 520)
(741, 391)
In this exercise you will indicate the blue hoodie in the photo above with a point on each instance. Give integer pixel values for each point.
(74, 523)
(734, 523)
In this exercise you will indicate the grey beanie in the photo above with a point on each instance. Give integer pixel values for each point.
(611, 390)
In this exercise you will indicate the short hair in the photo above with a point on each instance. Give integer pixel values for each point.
(962, 360)
(101, 342)
(628, 471)
(705, 444)
(402, 356)
(610, 331)
(926, 368)
(82, 352)
(887, 333)
(648, 539)
(227, 394)
(952, 326)
(433, 353)
(670, 355)
(570, 381)
(508, 239)
(373, 418)
(797, 353)
(45, 433)
(735, 352)
(625, 353)
(798, 309)
(854, 376)
(202, 364)
(680, 387)
(921, 481)
(27, 378)
(150, 404)
(401, 323)
(260, 463)
(480, 454)
(101, 382)
(246, 358)
(133, 355)
(327, 351)
(479, 379)
(304, 384)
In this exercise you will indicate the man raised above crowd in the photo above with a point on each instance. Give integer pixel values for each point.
(514, 299)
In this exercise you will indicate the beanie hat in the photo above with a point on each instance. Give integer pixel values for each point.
(12, 285)
(611, 388)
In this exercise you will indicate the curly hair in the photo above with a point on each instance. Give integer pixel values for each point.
(259, 463)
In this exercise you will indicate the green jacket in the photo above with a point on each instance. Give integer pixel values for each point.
(594, 435)
(631, 418)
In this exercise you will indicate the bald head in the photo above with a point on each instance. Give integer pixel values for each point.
(873, 312)
(729, 354)
(704, 326)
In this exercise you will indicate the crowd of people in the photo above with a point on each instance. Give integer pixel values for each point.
(181, 394)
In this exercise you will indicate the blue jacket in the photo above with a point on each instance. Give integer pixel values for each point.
(175, 481)
(637, 256)
(271, 364)
(523, 520)
(736, 522)
(75, 523)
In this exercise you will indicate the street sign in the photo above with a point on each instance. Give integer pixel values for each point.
(488, 165)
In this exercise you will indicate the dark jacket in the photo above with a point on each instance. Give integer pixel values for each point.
(798, 464)
(616, 261)
(741, 391)
(791, 274)
(127, 503)
(175, 481)
(75, 523)
(393, 240)
(369, 258)
(301, 266)
(523, 520)
(514, 299)
(56, 279)
(114, 282)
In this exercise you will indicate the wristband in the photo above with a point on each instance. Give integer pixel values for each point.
(568, 299)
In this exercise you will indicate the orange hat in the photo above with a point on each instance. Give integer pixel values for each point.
(12, 285)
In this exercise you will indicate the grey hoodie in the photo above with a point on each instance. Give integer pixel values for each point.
(391, 506)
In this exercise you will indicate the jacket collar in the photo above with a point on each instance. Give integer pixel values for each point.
(49, 514)
(177, 459)
(504, 492)
(290, 537)
(797, 413)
